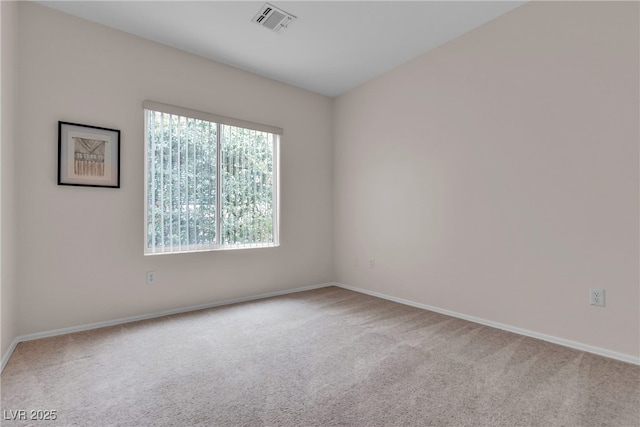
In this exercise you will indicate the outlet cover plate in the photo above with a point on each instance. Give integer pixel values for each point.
(151, 276)
(596, 297)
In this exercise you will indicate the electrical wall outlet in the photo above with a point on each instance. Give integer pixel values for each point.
(151, 277)
(596, 297)
(372, 264)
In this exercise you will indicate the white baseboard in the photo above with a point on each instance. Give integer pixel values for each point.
(7, 355)
(549, 338)
(120, 321)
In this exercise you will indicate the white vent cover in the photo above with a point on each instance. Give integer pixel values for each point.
(273, 18)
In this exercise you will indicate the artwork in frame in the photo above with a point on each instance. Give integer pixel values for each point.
(88, 155)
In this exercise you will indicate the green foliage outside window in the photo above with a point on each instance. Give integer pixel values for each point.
(182, 184)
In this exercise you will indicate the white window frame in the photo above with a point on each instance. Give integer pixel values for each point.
(219, 121)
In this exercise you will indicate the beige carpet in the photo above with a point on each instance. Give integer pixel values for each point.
(318, 358)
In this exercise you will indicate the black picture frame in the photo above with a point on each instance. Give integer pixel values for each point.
(88, 156)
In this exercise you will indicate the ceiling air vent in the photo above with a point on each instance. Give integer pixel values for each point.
(273, 18)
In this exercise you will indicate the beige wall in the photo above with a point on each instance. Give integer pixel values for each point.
(8, 190)
(81, 249)
(497, 176)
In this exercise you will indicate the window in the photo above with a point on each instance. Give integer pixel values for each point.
(210, 181)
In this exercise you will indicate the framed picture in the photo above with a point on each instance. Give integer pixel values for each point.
(88, 155)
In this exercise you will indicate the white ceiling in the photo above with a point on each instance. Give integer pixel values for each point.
(332, 47)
